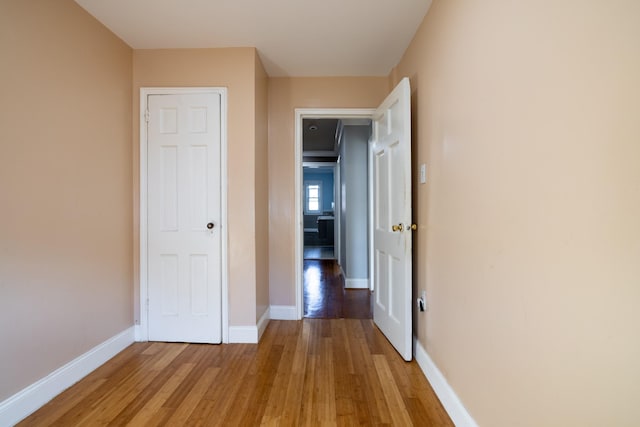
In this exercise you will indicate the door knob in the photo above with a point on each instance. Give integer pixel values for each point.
(398, 227)
(210, 226)
(413, 227)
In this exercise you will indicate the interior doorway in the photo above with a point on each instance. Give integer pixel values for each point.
(388, 214)
(332, 253)
(319, 182)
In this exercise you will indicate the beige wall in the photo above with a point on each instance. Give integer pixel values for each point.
(528, 118)
(233, 68)
(261, 189)
(65, 188)
(285, 95)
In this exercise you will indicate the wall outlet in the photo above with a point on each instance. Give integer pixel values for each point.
(422, 301)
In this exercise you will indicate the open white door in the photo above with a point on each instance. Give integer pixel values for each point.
(184, 217)
(392, 240)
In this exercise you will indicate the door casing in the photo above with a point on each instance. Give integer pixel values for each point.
(142, 330)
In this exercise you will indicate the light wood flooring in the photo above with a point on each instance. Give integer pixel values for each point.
(303, 373)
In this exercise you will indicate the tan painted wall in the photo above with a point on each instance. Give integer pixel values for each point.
(261, 190)
(65, 188)
(235, 69)
(529, 242)
(285, 95)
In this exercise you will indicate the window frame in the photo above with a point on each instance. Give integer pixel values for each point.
(308, 184)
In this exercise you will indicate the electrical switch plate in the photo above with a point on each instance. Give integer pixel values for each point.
(423, 173)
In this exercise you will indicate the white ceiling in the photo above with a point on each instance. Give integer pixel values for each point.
(293, 37)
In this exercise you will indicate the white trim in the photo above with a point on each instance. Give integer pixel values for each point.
(341, 269)
(243, 334)
(263, 322)
(356, 283)
(318, 165)
(311, 113)
(283, 312)
(250, 334)
(321, 153)
(356, 122)
(337, 212)
(370, 227)
(143, 329)
(449, 399)
(31, 398)
(142, 332)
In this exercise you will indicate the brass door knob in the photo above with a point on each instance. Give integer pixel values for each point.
(398, 227)
(414, 227)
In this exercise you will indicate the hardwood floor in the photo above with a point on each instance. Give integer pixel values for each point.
(303, 373)
(318, 252)
(325, 296)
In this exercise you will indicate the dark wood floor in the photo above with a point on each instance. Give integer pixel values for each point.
(313, 372)
(319, 252)
(325, 296)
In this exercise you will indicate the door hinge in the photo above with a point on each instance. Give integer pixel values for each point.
(146, 116)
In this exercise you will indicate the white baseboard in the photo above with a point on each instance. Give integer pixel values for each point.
(341, 270)
(283, 312)
(29, 399)
(452, 404)
(249, 334)
(356, 283)
(263, 322)
(137, 333)
(243, 334)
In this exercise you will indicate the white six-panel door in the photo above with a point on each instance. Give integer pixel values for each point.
(184, 212)
(392, 238)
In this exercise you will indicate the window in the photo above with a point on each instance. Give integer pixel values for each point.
(313, 197)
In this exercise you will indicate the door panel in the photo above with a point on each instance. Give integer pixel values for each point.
(169, 284)
(198, 212)
(392, 207)
(169, 194)
(184, 268)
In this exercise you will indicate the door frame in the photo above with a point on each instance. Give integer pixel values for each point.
(300, 114)
(142, 329)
